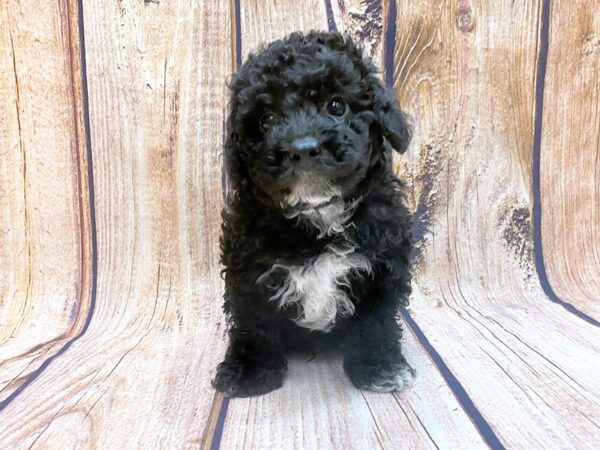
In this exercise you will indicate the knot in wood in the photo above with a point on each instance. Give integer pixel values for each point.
(465, 18)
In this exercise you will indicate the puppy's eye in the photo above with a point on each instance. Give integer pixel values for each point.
(266, 121)
(336, 107)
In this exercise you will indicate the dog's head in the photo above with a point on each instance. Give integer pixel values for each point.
(307, 124)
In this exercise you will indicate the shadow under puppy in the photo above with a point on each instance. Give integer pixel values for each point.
(316, 240)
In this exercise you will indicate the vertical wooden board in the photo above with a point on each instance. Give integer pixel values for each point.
(140, 374)
(465, 73)
(263, 21)
(44, 254)
(570, 155)
(364, 20)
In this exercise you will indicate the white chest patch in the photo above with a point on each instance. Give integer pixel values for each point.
(316, 287)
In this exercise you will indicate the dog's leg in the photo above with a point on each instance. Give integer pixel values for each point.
(254, 363)
(372, 356)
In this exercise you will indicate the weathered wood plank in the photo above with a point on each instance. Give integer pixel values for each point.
(466, 75)
(139, 376)
(364, 21)
(570, 155)
(320, 406)
(45, 251)
(264, 21)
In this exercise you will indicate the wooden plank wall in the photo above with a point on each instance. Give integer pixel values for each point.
(44, 219)
(570, 161)
(111, 124)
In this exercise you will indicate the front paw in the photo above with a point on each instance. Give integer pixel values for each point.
(237, 379)
(380, 377)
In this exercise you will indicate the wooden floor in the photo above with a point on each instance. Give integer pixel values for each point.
(111, 125)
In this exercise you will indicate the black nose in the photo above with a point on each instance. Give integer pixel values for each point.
(304, 149)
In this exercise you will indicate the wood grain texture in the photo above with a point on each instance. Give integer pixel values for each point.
(365, 22)
(263, 21)
(465, 73)
(44, 224)
(570, 155)
(448, 61)
(319, 408)
(139, 376)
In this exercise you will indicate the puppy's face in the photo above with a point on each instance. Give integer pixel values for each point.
(307, 122)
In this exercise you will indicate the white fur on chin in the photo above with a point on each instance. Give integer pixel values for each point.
(320, 204)
(317, 287)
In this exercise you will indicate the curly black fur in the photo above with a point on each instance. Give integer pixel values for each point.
(276, 224)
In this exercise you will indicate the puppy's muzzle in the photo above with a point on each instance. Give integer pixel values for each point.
(304, 151)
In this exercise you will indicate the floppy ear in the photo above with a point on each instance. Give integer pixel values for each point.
(390, 118)
(235, 167)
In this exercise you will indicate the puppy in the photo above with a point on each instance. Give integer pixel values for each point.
(315, 239)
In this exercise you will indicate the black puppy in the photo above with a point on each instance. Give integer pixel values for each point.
(316, 239)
